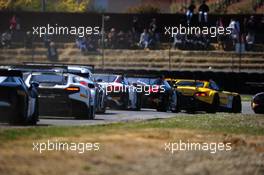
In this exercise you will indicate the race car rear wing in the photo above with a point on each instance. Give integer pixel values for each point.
(10, 73)
(36, 68)
(62, 65)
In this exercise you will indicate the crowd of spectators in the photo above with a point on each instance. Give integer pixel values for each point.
(148, 34)
(138, 37)
(148, 39)
(243, 33)
(14, 30)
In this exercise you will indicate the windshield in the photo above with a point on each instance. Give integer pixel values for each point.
(190, 83)
(214, 86)
(105, 78)
(79, 73)
(50, 79)
(148, 81)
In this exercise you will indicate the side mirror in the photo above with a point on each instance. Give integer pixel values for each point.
(91, 86)
(34, 84)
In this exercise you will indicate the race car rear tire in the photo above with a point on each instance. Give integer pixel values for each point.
(125, 101)
(176, 109)
(91, 115)
(35, 116)
(236, 104)
(102, 109)
(139, 102)
(163, 105)
(214, 106)
(258, 111)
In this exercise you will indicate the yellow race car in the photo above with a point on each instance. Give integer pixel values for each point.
(201, 95)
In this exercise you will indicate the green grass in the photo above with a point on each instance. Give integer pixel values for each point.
(246, 97)
(224, 123)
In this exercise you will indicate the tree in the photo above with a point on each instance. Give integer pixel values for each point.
(51, 5)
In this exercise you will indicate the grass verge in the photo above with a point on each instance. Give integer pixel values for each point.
(138, 147)
(222, 122)
(246, 97)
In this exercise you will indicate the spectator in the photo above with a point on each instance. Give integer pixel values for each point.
(152, 39)
(250, 40)
(153, 25)
(220, 37)
(78, 41)
(204, 41)
(144, 39)
(28, 40)
(130, 39)
(190, 11)
(154, 30)
(251, 25)
(111, 39)
(244, 27)
(121, 41)
(135, 27)
(6, 39)
(190, 41)
(235, 30)
(240, 46)
(203, 12)
(90, 44)
(52, 52)
(18, 25)
(47, 40)
(178, 41)
(13, 23)
(81, 43)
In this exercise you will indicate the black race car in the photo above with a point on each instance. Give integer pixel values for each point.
(156, 94)
(257, 103)
(18, 104)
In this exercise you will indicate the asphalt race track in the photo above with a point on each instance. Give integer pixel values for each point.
(113, 116)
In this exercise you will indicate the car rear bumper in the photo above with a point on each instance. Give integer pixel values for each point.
(6, 112)
(192, 103)
(153, 100)
(61, 108)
